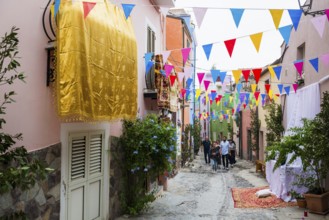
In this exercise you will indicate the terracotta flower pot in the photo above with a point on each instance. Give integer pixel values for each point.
(318, 204)
(301, 203)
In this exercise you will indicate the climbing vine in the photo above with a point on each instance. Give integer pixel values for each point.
(255, 127)
(274, 125)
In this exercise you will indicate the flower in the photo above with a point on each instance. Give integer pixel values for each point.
(145, 170)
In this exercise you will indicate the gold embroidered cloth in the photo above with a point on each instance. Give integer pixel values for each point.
(96, 63)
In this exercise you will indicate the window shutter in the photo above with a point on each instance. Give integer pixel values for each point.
(78, 158)
(95, 152)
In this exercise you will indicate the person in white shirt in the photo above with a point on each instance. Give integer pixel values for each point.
(224, 146)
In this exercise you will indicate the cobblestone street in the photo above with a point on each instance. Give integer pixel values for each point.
(198, 193)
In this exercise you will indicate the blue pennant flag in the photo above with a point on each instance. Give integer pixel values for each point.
(148, 57)
(247, 96)
(213, 95)
(263, 96)
(280, 86)
(237, 14)
(207, 50)
(149, 66)
(295, 15)
(242, 96)
(187, 94)
(57, 3)
(285, 32)
(238, 87)
(277, 71)
(127, 8)
(287, 89)
(214, 74)
(222, 76)
(315, 63)
(188, 83)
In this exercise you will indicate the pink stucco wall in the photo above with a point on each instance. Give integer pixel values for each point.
(245, 127)
(33, 114)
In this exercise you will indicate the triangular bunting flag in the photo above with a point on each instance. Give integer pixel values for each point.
(257, 73)
(165, 55)
(56, 8)
(180, 76)
(277, 71)
(270, 94)
(236, 75)
(214, 74)
(267, 87)
(237, 14)
(315, 64)
(263, 96)
(287, 89)
(238, 87)
(244, 105)
(168, 69)
(219, 97)
(325, 59)
(200, 77)
(295, 86)
(257, 102)
(149, 66)
(183, 91)
(199, 15)
(276, 16)
(299, 66)
(230, 46)
(327, 13)
(197, 93)
(206, 84)
(295, 15)
(188, 71)
(189, 83)
(319, 23)
(270, 68)
(253, 87)
(242, 97)
(187, 94)
(87, 7)
(285, 33)
(280, 87)
(213, 94)
(222, 76)
(256, 94)
(185, 53)
(172, 80)
(256, 40)
(207, 50)
(127, 8)
(246, 74)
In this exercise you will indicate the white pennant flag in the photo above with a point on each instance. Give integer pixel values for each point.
(165, 55)
(188, 71)
(180, 76)
(319, 23)
(199, 15)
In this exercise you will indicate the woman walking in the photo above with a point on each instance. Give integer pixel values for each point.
(214, 152)
(232, 152)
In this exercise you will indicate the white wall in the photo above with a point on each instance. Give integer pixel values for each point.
(34, 113)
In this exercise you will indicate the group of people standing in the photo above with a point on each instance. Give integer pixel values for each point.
(219, 153)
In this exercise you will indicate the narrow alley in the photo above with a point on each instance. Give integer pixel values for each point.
(197, 192)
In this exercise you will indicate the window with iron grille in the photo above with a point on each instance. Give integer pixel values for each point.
(150, 40)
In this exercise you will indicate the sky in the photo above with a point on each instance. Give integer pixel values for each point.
(218, 25)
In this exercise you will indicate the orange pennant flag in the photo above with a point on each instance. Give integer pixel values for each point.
(237, 75)
(276, 16)
(256, 40)
(87, 7)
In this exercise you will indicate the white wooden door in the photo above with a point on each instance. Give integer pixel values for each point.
(85, 176)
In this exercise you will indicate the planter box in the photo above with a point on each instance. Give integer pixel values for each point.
(318, 204)
(301, 203)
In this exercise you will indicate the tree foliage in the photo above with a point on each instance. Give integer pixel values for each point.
(255, 127)
(196, 133)
(274, 125)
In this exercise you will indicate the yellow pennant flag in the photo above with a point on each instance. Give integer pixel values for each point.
(227, 112)
(52, 10)
(270, 68)
(218, 103)
(251, 105)
(270, 94)
(231, 99)
(275, 98)
(253, 87)
(237, 75)
(197, 93)
(207, 97)
(257, 101)
(256, 40)
(276, 16)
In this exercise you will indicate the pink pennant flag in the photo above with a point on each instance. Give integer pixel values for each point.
(200, 77)
(180, 76)
(199, 15)
(246, 74)
(168, 69)
(165, 55)
(230, 46)
(295, 86)
(319, 24)
(299, 67)
(206, 84)
(327, 13)
(325, 59)
(185, 53)
(183, 91)
(188, 72)
(87, 7)
(172, 80)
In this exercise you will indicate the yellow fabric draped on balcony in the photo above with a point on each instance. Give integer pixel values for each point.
(96, 63)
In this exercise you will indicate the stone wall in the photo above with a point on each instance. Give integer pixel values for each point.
(42, 201)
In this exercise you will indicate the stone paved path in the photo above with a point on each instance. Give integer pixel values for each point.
(198, 193)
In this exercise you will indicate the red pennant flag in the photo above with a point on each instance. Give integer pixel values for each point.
(87, 7)
(210, 102)
(220, 97)
(246, 74)
(217, 100)
(244, 105)
(256, 94)
(230, 46)
(277, 94)
(172, 80)
(232, 111)
(183, 91)
(257, 73)
(267, 87)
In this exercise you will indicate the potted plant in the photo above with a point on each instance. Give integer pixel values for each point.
(311, 144)
(301, 202)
